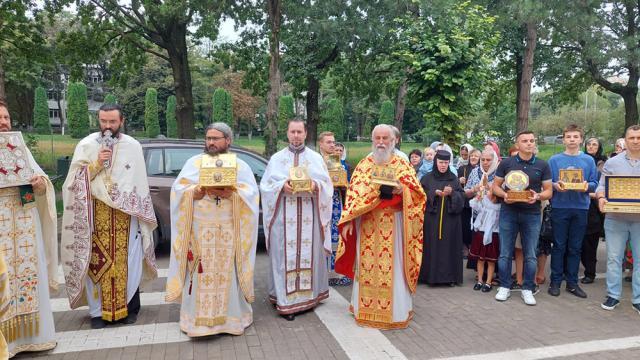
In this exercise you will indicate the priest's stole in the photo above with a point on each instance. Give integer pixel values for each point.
(108, 266)
(18, 241)
(214, 244)
(298, 246)
(375, 267)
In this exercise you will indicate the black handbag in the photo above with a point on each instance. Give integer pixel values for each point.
(546, 229)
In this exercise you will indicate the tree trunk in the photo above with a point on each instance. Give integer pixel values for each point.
(3, 91)
(178, 58)
(630, 106)
(400, 106)
(524, 98)
(274, 12)
(60, 111)
(313, 113)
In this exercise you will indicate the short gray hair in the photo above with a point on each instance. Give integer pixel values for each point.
(385, 126)
(222, 127)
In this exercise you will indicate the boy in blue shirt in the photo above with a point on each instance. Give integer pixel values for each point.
(569, 211)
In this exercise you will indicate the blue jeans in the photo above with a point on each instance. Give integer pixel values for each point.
(569, 226)
(528, 225)
(617, 232)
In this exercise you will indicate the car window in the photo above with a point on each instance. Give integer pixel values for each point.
(174, 158)
(154, 162)
(257, 166)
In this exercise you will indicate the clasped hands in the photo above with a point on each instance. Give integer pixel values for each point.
(444, 192)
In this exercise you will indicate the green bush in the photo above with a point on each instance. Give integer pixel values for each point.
(151, 121)
(331, 119)
(110, 99)
(78, 110)
(285, 113)
(172, 123)
(387, 112)
(41, 112)
(222, 107)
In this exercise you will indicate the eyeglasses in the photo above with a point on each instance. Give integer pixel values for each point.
(215, 138)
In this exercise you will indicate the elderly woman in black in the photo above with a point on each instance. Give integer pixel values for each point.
(595, 219)
(442, 255)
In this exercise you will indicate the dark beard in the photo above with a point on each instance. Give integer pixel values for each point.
(213, 152)
(114, 134)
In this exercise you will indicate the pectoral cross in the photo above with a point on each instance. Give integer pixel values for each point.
(217, 199)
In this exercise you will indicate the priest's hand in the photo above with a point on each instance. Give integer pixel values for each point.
(314, 186)
(347, 230)
(222, 193)
(199, 192)
(104, 155)
(287, 187)
(38, 184)
(398, 189)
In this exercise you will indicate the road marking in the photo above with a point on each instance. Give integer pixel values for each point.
(117, 337)
(546, 352)
(356, 341)
(146, 299)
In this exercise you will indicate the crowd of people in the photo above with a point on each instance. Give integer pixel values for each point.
(396, 221)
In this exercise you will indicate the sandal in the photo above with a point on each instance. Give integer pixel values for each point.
(477, 286)
(486, 288)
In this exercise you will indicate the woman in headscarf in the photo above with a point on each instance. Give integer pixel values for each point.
(447, 148)
(485, 246)
(619, 147)
(463, 159)
(595, 219)
(342, 151)
(464, 170)
(442, 255)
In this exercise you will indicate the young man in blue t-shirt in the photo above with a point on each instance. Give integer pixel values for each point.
(570, 211)
(521, 217)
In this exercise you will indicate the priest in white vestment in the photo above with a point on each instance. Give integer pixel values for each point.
(107, 245)
(297, 226)
(28, 245)
(214, 232)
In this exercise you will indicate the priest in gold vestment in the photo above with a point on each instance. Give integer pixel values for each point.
(107, 245)
(381, 237)
(28, 246)
(214, 233)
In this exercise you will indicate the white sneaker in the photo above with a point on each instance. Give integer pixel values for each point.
(528, 298)
(503, 294)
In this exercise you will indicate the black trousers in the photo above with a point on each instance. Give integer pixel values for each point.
(589, 254)
(133, 307)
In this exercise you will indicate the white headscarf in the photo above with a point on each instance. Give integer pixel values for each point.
(461, 161)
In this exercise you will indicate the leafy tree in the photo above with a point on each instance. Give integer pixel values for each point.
(172, 125)
(222, 107)
(41, 112)
(110, 99)
(151, 121)
(78, 110)
(386, 113)
(285, 113)
(596, 42)
(160, 28)
(447, 54)
(332, 119)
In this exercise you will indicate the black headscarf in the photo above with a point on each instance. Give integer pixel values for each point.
(599, 156)
(446, 156)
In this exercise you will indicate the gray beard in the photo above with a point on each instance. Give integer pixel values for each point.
(382, 156)
(213, 152)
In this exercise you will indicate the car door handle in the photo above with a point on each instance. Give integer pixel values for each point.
(154, 189)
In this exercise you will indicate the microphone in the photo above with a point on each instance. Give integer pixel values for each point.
(107, 141)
